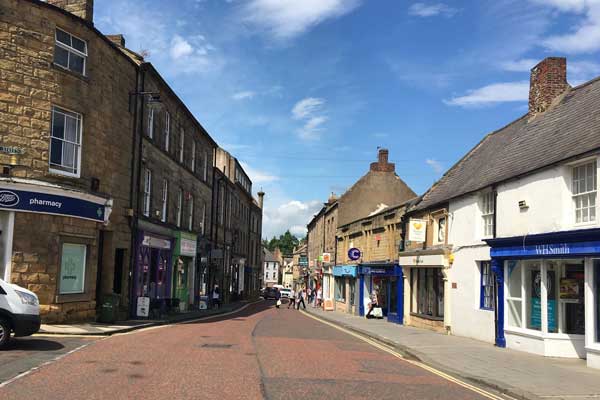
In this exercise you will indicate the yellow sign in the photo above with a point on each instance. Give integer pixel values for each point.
(417, 229)
(326, 257)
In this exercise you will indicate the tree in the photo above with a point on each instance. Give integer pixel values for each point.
(285, 242)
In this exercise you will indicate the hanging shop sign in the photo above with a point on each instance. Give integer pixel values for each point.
(303, 262)
(417, 229)
(187, 247)
(326, 257)
(46, 203)
(354, 254)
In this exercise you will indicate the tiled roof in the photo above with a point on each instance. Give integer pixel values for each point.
(570, 128)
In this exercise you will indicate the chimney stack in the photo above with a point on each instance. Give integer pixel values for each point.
(119, 39)
(261, 198)
(82, 8)
(382, 164)
(548, 81)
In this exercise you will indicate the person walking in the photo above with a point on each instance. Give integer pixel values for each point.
(309, 293)
(319, 297)
(372, 304)
(216, 297)
(301, 295)
(292, 299)
(277, 297)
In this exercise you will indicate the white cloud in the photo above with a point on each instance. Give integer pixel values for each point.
(248, 94)
(492, 94)
(578, 71)
(521, 65)
(307, 107)
(180, 47)
(310, 110)
(292, 214)
(285, 19)
(431, 10)
(584, 37)
(435, 165)
(258, 176)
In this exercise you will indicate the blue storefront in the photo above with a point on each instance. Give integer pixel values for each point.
(548, 293)
(387, 280)
(345, 288)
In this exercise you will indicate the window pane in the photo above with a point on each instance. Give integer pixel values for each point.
(533, 296)
(58, 125)
(514, 313)
(63, 37)
(76, 63)
(56, 151)
(514, 279)
(68, 155)
(61, 56)
(78, 44)
(71, 129)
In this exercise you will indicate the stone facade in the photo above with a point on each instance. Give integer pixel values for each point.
(31, 84)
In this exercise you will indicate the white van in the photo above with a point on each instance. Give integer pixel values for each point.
(19, 312)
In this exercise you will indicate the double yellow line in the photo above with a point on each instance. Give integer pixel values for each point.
(419, 364)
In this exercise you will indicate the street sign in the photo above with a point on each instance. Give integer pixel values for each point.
(354, 254)
(326, 257)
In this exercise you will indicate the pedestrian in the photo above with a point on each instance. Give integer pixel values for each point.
(216, 297)
(372, 304)
(277, 297)
(292, 299)
(309, 293)
(301, 295)
(319, 297)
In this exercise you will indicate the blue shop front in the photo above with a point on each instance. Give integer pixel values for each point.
(386, 280)
(548, 289)
(345, 288)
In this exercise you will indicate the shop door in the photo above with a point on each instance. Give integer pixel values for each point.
(381, 285)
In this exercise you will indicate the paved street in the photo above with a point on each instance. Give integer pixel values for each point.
(259, 352)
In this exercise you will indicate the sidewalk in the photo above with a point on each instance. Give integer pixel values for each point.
(515, 373)
(95, 328)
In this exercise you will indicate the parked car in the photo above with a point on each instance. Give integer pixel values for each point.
(269, 293)
(285, 292)
(19, 312)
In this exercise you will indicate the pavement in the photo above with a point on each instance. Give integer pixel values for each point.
(515, 373)
(96, 328)
(258, 352)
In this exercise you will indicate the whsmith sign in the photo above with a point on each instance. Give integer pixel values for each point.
(550, 249)
(45, 203)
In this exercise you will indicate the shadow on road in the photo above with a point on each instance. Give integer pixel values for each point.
(29, 344)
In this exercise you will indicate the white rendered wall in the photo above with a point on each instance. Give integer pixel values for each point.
(464, 234)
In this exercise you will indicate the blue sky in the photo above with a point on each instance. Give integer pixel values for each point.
(303, 91)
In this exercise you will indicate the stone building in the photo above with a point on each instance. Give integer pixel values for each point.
(321, 246)
(237, 227)
(65, 184)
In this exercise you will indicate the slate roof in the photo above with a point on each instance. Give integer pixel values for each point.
(269, 256)
(570, 128)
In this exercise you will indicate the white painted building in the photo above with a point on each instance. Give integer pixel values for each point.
(523, 226)
(271, 269)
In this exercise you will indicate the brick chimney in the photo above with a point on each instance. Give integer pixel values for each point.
(119, 39)
(382, 164)
(82, 8)
(548, 81)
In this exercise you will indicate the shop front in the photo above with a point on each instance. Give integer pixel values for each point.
(184, 262)
(328, 288)
(345, 288)
(549, 293)
(425, 287)
(152, 273)
(385, 281)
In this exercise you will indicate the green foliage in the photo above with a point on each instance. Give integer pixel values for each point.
(285, 242)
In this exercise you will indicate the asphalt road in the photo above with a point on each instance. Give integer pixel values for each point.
(257, 353)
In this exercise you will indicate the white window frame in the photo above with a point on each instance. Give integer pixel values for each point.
(165, 200)
(205, 166)
(181, 144)
(194, 155)
(58, 169)
(436, 224)
(191, 213)
(589, 194)
(71, 50)
(147, 192)
(167, 130)
(487, 213)
(179, 206)
(150, 131)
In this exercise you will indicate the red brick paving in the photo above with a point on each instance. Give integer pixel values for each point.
(260, 352)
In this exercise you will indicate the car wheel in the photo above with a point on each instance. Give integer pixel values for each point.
(4, 332)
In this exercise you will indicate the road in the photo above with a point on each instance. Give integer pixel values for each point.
(257, 353)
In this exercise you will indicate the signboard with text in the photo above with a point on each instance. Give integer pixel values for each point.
(417, 229)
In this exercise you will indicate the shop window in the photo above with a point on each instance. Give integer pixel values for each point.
(147, 192)
(584, 187)
(428, 284)
(72, 268)
(487, 294)
(70, 52)
(352, 291)
(65, 143)
(340, 289)
(514, 298)
(572, 301)
(533, 295)
(487, 213)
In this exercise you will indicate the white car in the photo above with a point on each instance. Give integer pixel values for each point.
(285, 292)
(19, 312)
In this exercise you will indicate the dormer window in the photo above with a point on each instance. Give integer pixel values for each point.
(70, 52)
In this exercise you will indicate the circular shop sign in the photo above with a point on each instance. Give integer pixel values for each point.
(354, 254)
